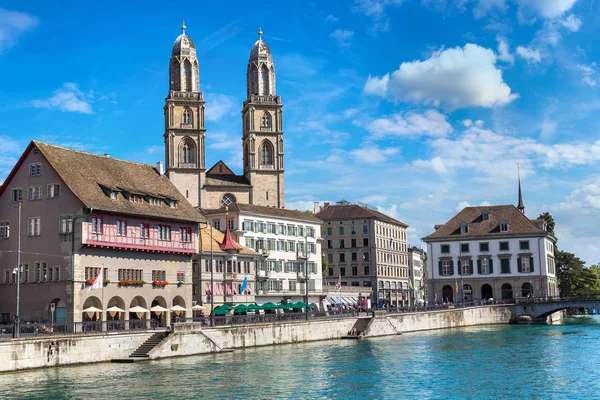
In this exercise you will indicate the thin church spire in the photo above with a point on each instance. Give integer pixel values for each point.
(520, 207)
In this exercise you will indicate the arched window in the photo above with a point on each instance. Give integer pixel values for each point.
(253, 81)
(246, 156)
(187, 116)
(267, 153)
(264, 77)
(227, 200)
(187, 151)
(187, 69)
(187, 154)
(265, 121)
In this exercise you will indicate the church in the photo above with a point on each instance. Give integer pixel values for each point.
(262, 140)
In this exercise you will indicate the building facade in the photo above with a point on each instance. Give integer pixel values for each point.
(262, 134)
(82, 214)
(491, 252)
(289, 247)
(417, 273)
(366, 248)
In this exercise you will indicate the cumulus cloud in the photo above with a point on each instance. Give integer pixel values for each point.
(545, 8)
(331, 18)
(436, 164)
(376, 10)
(219, 106)
(571, 22)
(457, 77)
(67, 99)
(504, 51)
(528, 54)
(14, 24)
(429, 123)
(9, 154)
(374, 154)
(342, 37)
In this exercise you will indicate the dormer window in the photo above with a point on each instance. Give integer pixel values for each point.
(503, 226)
(485, 215)
(113, 195)
(464, 228)
(135, 198)
(154, 201)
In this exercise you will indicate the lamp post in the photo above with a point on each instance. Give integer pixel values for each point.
(17, 322)
(306, 275)
(212, 284)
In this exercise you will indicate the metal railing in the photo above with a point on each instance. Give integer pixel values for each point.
(77, 328)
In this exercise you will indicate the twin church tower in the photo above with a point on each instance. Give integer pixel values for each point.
(262, 134)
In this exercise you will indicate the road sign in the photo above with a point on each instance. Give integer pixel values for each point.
(52, 306)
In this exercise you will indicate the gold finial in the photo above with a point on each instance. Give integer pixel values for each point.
(227, 210)
(259, 32)
(183, 26)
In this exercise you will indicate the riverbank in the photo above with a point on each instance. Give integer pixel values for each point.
(191, 339)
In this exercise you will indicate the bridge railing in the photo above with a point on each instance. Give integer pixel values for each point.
(556, 299)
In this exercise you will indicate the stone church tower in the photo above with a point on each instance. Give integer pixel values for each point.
(184, 122)
(263, 129)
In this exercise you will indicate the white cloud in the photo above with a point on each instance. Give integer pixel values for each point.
(528, 54)
(479, 123)
(373, 154)
(571, 22)
(504, 51)
(458, 77)
(430, 123)
(436, 164)
(342, 37)
(14, 24)
(589, 74)
(10, 151)
(484, 7)
(374, 199)
(331, 18)
(467, 122)
(546, 8)
(67, 99)
(219, 106)
(376, 10)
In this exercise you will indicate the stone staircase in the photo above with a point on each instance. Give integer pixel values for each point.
(361, 324)
(152, 342)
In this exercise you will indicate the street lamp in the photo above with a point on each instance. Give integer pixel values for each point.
(212, 280)
(306, 274)
(17, 322)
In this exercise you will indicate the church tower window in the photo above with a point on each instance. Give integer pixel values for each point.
(267, 153)
(227, 200)
(265, 120)
(264, 77)
(187, 70)
(187, 154)
(187, 116)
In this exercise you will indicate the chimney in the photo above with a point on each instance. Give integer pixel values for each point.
(316, 207)
(159, 168)
(106, 155)
(326, 204)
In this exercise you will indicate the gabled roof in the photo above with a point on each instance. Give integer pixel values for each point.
(85, 174)
(518, 224)
(217, 239)
(237, 181)
(263, 210)
(355, 211)
(224, 170)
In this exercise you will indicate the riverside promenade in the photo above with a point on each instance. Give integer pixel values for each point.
(194, 339)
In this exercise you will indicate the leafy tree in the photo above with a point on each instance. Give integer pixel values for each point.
(574, 278)
(325, 264)
(310, 213)
(550, 224)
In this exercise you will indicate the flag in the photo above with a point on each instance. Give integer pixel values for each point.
(456, 284)
(244, 285)
(338, 285)
(98, 281)
(410, 286)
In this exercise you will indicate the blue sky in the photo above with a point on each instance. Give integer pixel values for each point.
(419, 107)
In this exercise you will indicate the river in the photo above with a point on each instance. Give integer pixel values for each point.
(554, 361)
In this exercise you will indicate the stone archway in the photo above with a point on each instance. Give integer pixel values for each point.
(178, 302)
(161, 316)
(137, 318)
(527, 290)
(487, 292)
(115, 303)
(60, 311)
(447, 294)
(92, 303)
(507, 291)
(468, 293)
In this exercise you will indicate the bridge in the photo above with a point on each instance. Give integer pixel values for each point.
(538, 308)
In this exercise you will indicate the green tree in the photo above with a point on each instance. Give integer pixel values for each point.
(574, 278)
(550, 224)
(309, 213)
(325, 264)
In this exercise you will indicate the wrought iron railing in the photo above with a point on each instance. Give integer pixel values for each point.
(41, 329)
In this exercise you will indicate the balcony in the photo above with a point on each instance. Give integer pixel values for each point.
(262, 275)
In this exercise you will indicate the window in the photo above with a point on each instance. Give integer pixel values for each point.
(330, 244)
(121, 228)
(365, 229)
(464, 247)
(186, 235)
(159, 275)
(180, 276)
(53, 190)
(367, 270)
(485, 215)
(135, 198)
(17, 195)
(524, 245)
(230, 224)
(341, 243)
(446, 267)
(265, 121)
(154, 201)
(353, 257)
(342, 271)
(503, 226)
(485, 266)
(217, 224)
(525, 267)
(187, 116)
(341, 228)
(465, 267)
(227, 200)
(164, 233)
(66, 224)
(291, 283)
(113, 195)
(505, 265)
(144, 230)
(267, 153)
(365, 242)
(354, 271)
(4, 229)
(353, 231)
(484, 247)
(464, 228)
(330, 272)
(35, 169)
(330, 257)
(445, 248)
(503, 246)
(33, 228)
(329, 231)
(34, 193)
(271, 228)
(56, 274)
(366, 256)
(352, 243)
(97, 225)
(342, 257)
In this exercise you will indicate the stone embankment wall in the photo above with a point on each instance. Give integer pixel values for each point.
(27, 353)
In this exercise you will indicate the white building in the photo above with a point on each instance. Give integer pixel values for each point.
(417, 258)
(493, 252)
(288, 240)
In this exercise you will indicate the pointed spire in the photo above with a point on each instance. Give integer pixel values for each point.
(183, 27)
(520, 207)
(228, 243)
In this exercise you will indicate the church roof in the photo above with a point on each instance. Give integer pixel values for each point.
(346, 211)
(220, 168)
(518, 224)
(263, 210)
(221, 180)
(183, 41)
(88, 175)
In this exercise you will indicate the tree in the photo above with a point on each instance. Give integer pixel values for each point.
(325, 264)
(309, 213)
(550, 224)
(574, 278)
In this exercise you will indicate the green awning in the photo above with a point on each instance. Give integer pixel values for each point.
(240, 308)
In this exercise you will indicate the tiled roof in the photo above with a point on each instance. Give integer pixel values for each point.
(263, 210)
(354, 211)
(227, 180)
(518, 224)
(84, 173)
(217, 239)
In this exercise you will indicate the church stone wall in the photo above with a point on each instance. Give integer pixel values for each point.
(213, 199)
(187, 183)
